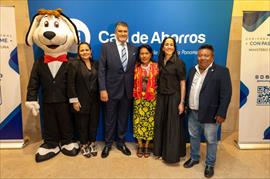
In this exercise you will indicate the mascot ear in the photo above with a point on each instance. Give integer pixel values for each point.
(72, 27)
(32, 28)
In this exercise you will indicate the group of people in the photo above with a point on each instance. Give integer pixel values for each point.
(126, 77)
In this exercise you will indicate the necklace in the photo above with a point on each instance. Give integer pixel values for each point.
(145, 70)
(146, 67)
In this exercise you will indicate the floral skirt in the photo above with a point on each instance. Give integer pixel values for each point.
(143, 119)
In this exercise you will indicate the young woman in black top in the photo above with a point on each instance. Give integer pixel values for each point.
(83, 93)
(169, 140)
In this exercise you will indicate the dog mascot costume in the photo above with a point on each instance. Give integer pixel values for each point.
(53, 32)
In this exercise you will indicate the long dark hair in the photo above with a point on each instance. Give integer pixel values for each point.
(82, 43)
(161, 53)
(149, 49)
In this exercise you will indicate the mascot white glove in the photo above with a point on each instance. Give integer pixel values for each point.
(33, 106)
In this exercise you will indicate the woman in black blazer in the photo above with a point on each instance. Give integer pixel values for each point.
(83, 93)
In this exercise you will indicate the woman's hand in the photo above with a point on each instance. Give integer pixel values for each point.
(181, 108)
(77, 106)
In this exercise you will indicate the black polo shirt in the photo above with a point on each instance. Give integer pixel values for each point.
(170, 76)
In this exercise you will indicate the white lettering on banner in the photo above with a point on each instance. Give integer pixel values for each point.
(108, 37)
(155, 38)
(144, 38)
(138, 37)
(185, 52)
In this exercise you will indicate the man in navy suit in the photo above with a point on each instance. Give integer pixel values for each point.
(209, 93)
(115, 75)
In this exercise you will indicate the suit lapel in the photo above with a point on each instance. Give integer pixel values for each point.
(115, 51)
(130, 55)
(46, 68)
(209, 75)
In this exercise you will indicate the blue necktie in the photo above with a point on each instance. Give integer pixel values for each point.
(124, 58)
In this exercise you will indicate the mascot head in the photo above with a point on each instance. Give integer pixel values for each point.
(52, 31)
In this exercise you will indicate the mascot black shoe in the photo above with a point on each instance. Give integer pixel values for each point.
(55, 34)
(46, 151)
(70, 149)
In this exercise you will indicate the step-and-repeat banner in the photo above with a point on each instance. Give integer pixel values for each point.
(11, 135)
(192, 23)
(254, 115)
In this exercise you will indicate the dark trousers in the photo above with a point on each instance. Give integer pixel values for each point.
(87, 124)
(116, 120)
(58, 126)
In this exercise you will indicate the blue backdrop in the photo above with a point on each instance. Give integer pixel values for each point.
(191, 23)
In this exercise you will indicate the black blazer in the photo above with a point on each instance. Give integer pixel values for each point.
(83, 84)
(215, 94)
(54, 90)
(111, 74)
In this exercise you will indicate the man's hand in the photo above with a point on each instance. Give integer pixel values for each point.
(220, 119)
(104, 96)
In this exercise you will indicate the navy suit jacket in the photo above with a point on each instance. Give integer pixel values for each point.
(111, 75)
(215, 94)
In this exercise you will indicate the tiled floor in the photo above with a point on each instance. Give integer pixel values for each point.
(231, 163)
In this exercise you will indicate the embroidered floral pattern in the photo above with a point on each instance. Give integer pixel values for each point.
(144, 92)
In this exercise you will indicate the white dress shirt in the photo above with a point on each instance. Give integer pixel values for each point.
(196, 87)
(54, 67)
(120, 47)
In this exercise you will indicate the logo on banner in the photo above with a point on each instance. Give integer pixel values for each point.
(84, 33)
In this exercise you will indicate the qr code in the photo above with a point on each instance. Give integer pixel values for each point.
(263, 95)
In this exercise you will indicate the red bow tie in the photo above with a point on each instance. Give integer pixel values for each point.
(61, 58)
